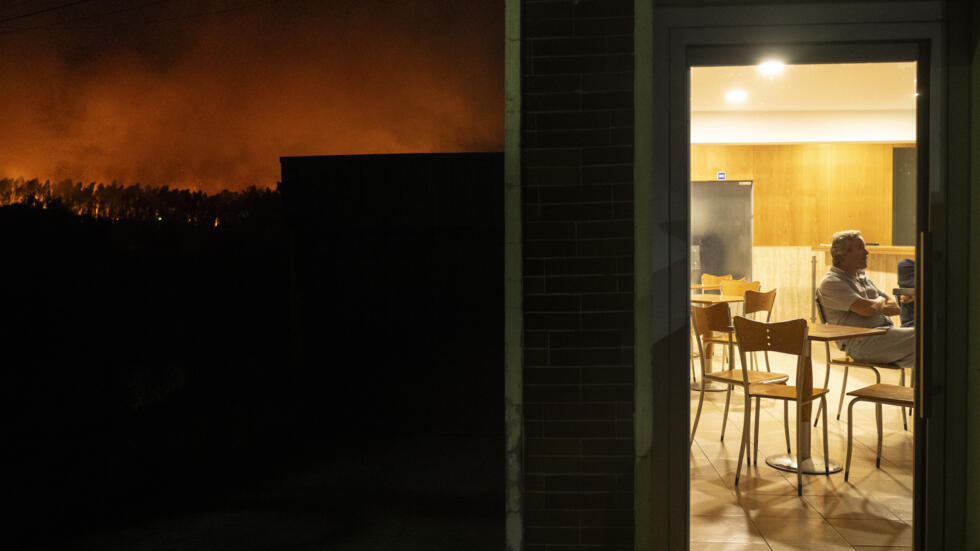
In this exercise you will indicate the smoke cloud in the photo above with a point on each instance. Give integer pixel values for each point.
(209, 95)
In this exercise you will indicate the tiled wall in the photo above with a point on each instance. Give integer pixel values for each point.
(577, 150)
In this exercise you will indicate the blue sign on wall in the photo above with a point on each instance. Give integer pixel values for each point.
(721, 175)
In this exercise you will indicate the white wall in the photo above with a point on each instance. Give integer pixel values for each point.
(765, 127)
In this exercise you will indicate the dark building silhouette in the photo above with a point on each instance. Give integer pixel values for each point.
(396, 290)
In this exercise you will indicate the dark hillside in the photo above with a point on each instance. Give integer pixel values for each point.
(155, 366)
(141, 356)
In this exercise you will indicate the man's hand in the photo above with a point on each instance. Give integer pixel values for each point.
(880, 305)
(890, 307)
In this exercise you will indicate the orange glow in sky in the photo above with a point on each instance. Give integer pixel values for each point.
(191, 96)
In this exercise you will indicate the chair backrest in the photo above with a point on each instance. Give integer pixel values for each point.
(738, 287)
(820, 312)
(716, 317)
(708, 279)
(757, 301)
(788, 337)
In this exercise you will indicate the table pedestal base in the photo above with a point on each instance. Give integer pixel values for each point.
(811, 465)
(709, 386)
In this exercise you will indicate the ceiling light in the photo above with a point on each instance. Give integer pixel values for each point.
(771, 68)
(736, 96)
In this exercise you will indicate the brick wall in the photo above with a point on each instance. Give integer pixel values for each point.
(577, 151)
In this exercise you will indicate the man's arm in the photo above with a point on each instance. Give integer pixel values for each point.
(880, 305)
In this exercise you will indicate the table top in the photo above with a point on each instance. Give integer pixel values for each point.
(830, 332)
(715, 299)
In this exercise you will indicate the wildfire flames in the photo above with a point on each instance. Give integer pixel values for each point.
(212, 102)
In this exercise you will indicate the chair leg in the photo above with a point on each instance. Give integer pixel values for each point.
(786, 424)
(799, 446)
(843, 390)
(878, 421)
(905, 421)
(826, 446)
(826, 384)
(724, 419)
(697, 416)
(694, 377)
(850, 437)
(745, 435)
(755, 451)
(911, 384)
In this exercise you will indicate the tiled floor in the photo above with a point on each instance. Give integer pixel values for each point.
(873, 510)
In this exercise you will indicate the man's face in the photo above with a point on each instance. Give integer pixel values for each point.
(856, 258)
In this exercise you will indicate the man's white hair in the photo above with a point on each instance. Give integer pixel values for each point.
(841, 244)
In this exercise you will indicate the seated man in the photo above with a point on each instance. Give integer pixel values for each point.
(848, 297)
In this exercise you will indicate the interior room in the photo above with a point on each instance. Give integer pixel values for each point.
(782, 157)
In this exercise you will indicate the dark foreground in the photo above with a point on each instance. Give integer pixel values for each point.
(155, 396)
(432, 492)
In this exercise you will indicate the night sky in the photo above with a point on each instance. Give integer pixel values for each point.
(209, 94)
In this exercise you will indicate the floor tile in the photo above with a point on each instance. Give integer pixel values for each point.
(849, 507)
(901, 506)
(703, 504)
(717, 546)
(724, 529)
(807, 534)
(756, 482)
(874, 532)
(711, 487)
(789, 508)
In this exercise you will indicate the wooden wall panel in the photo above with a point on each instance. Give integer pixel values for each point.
(789, 195)
(735, 160)
(860, 191)
(803, 193)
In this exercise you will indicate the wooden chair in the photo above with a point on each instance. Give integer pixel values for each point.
(708, 279)
(758, 301)
(788, 337)
(893, 395)
(848, 362)
(738, 288)
(717, 318)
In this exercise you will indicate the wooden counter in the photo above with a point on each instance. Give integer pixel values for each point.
(904, 252)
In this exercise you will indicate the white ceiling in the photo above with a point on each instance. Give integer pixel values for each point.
(837, 87)
(858, 102)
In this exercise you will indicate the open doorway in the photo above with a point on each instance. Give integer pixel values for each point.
(791, 154)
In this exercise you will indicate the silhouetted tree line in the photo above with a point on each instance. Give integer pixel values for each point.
(141, 204)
